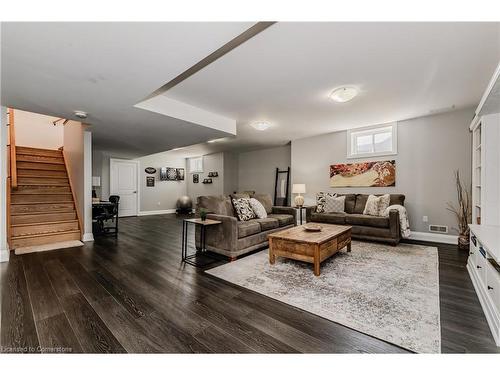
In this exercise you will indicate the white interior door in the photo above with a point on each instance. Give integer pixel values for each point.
(123, 182)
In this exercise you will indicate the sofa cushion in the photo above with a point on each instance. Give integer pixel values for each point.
(266, 201)
(366, 220)
(334, 204)
(247, 228)
(360, 204)
(321, 200)
(397, 199)
(283, 219)
(329, 218)
(376, 205)
(217, 204)
(242, 209)
(350, 201)
(258, 208)
(268, 223)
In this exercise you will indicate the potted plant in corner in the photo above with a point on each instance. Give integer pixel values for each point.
(203, 214)
(463, 212)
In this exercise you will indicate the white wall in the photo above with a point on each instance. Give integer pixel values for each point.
(76, 150)
(257, 169)
(429, 150)
(4, 249)
(36, 130)
(163, 196)
(230, 172)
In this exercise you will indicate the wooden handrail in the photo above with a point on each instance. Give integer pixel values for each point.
(12, 144)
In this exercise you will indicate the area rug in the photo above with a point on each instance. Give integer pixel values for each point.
(391, 293)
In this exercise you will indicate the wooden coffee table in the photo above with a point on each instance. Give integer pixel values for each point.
(312, 247)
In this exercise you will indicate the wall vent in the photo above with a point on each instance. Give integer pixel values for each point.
(438, 228)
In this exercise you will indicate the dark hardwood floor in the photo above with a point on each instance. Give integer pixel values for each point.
(132, 294)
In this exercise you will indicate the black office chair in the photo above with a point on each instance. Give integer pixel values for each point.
(109, 214)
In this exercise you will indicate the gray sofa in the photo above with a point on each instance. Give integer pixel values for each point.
(233, 238)
(364, 227)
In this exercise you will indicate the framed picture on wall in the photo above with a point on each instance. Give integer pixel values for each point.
(196, 178)
(168, 174)
(180, 174)
(150, 181)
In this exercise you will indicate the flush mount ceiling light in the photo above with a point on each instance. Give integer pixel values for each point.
(343, 94)
(260, 125)
(80, 114)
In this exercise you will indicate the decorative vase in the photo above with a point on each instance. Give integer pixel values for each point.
(299, 200)
(463, 242)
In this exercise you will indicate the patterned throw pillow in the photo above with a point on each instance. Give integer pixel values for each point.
(321, 201)
(258, 208)
(375, 206)
(242, 209)
(335, 204)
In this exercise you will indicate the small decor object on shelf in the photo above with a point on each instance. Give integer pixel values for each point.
(207, 181)
(213, 174)
(180, 174)
(203, 214)
(463, 212)
(150, 170)
(299, 189)
(196, 178)
(150, 181)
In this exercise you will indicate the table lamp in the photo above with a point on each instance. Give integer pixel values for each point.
(299, 189)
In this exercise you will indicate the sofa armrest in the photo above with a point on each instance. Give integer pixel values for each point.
(309, 212)
(282, 210)
(222, 236)
(394, 224)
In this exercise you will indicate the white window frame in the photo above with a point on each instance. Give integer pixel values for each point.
(196, 164)
(371, 130)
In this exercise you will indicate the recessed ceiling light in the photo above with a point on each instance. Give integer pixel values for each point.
(344, 94)
(216, 140)
(80, 114)
(260, 125)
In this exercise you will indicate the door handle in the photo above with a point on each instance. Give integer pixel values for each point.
(134, 192)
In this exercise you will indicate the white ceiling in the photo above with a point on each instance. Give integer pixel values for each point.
(105, 69)
(403, 70)
(282, 75)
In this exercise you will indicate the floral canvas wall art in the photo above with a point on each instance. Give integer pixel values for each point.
(367, 174)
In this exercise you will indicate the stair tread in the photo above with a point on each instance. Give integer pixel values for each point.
(45, 234)
(21, 174)
(45, 223)
(61, 211)
(48, 202)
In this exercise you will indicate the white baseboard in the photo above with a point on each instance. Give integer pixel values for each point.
(4, 255)
(434, 237)
(157, 212)
(88, 237)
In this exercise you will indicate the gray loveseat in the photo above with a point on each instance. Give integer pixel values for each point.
(364, 227)
(233, 238)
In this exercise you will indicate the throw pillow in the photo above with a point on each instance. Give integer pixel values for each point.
(321, 201)
(334, 204)
(242, 209)
(258, 208)
(375, 206)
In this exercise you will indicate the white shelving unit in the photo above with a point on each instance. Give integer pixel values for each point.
(484, 257)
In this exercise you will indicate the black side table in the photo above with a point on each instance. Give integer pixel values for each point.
(203, 226)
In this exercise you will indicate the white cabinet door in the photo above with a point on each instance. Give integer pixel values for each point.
(123, 182)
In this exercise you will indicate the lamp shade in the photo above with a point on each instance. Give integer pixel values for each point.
(298, 188)
(96, 181)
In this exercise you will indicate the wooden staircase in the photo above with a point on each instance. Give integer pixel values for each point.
(42, 207)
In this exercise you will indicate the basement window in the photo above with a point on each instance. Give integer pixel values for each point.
(378, 140)
(196, 165)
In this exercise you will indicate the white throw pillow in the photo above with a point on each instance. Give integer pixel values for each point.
(258, 208)
(375, 206)
(334, 204)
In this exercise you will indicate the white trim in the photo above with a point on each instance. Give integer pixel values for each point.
(87, 184)
(434, 237)
(137, 182)
(157, 212)
(88, 237)
(394, 151)
(4, 255)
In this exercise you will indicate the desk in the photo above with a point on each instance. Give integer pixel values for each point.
(203, 225)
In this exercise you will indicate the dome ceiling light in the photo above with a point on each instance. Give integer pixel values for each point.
(343, 94)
